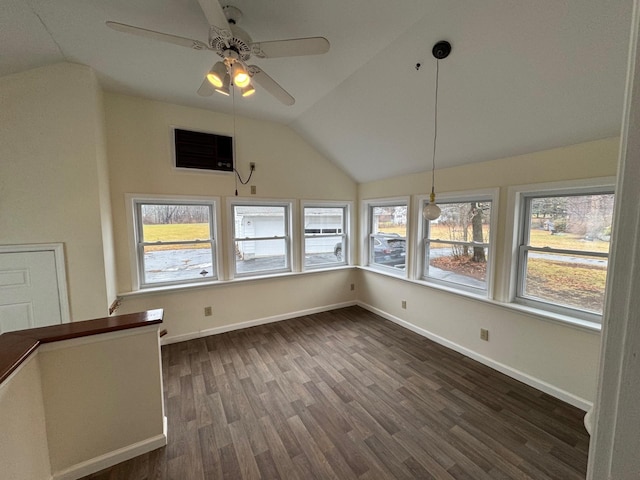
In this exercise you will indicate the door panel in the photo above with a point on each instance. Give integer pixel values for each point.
(29, 294)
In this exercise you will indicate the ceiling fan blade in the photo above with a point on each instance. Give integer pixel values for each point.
(270, 85)
(163, 37)
(206, 89)
(214, 13)
(290, 48)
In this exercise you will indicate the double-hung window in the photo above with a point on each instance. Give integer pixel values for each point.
(261, 238)
(325, 235)
(175, 241)
(387, 234)
(457, 246)
(563, 250)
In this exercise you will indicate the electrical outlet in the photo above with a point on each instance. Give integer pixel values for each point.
(353, 287)
(208, 312)
(404, 304)
(253, 189)
(484, 334)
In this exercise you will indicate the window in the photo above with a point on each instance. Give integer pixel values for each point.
(174, 241)
(325, 235)
(261, 236)
(387, 235)
(564, 249)
(457, 246)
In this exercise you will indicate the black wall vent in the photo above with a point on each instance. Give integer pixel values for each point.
(204, 151)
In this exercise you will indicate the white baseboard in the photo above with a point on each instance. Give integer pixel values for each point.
(107, 460)
(253, 323)
(534, 382)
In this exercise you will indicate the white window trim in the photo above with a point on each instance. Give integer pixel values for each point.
(365, 223)
(347, 246)
(134, 262)
(292, 243)
(485, 194)
(516, 197)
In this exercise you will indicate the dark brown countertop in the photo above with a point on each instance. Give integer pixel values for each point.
(15, 347)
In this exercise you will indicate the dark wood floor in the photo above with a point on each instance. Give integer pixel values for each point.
(345, 395)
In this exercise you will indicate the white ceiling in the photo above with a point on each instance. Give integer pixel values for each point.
(523, 75)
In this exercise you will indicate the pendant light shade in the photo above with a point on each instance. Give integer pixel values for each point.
(240, 76)
(224, 89)
(216, 74)
(248, 90)
(432, 211)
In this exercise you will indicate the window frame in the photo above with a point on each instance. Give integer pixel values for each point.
(519, 201)
(136, 246)
(367, 224)
(346, 233)
(289, 237)
(422, 241)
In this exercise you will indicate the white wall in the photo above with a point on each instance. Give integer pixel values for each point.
(24, 452)
(139, 146)
(613, 451)
(562, 358)
(52, 178)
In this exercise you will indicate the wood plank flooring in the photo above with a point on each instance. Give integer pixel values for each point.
(348, 395)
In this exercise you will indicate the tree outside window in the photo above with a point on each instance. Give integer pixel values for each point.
(457, 244)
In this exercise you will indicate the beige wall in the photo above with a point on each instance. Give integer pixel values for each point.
(564, 357)
(51, 180)
(24, 452)
(101, 394)
(54, 174)
(140, 161)
(77, 406)
(236, 303)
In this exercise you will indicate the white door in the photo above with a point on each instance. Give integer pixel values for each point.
(29, 295)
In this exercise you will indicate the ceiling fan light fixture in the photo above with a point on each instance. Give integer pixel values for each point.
(224, 89)
(248, 90)
(240, 76)
(216, 74)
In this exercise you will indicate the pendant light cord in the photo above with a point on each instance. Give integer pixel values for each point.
(233, 138)
(435, 130)
(233, 142)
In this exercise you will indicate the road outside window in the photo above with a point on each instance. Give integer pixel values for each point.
(564, 251)
(457, 244)
(324, 236)
(261, 239)
(388, 236)
(175, 243)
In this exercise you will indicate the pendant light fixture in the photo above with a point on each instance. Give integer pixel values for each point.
(232, 71)
(431, 211)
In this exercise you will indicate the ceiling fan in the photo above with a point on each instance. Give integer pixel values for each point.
(235, 47)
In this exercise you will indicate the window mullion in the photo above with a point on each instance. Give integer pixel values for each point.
(582, 253)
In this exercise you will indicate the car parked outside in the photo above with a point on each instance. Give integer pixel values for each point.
(388, 249)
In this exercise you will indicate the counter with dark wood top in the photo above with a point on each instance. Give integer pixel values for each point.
(16, 346)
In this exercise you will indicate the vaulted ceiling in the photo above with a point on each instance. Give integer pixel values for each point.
(523, 76)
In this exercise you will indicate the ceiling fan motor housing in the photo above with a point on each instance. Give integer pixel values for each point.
(239, 42)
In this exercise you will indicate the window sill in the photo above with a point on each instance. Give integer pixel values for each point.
(539, 314)
(553, 317)
(226, 283)
(388, 271)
